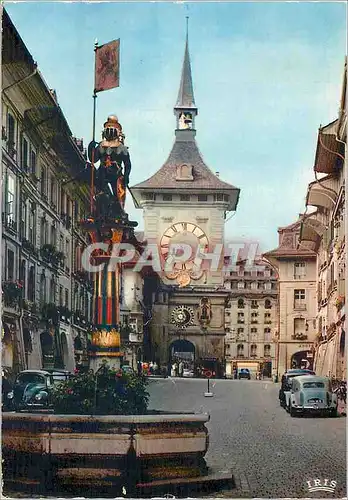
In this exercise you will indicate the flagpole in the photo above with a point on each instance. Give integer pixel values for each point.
(93, 132)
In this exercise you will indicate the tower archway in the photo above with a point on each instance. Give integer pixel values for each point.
(302, 359)
(183, 350)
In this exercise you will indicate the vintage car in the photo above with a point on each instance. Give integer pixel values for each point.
(284, 391)
(311, 393)
(31, 390)
(188, 373)
(244, 373)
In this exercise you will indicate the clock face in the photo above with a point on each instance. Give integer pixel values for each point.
(182, 316)
(184, 233)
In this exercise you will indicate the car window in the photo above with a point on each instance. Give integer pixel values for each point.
(30, 378)
(313, 385)
(57, 378)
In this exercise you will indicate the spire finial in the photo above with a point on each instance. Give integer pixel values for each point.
(187, 22)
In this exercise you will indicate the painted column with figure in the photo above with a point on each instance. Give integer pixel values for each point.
(107, 223)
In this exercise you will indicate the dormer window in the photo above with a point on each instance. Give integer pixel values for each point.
(184, 172)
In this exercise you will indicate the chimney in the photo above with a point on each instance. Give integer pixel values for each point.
(217, 174)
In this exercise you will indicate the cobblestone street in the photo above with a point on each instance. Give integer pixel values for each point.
(271, 454)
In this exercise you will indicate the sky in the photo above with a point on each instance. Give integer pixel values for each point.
(265, 75)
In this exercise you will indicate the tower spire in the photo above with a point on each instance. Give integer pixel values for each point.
(185, 108)
(185, 96)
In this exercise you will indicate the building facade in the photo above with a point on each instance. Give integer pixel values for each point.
(185, 202)
(251, 318)
(296, 325)
(325, 229)
(46, 294)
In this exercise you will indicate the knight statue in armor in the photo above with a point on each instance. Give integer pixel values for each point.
(112, 176)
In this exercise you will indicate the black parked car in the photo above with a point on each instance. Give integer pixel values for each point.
(286, 382)
(31, 390)
(244, 373)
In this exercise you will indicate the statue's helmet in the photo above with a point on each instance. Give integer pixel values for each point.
(112, 128)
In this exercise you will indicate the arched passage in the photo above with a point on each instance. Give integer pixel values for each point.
(302, 359)
(182, 349)
(47, 349)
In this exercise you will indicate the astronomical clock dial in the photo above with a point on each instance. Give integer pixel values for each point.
(182, 316)
(183, 233)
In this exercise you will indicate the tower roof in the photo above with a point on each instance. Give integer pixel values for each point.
(185, 155)
(185, 151)
(186, 97)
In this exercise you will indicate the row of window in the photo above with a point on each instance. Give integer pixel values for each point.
(10, 273)
(242, 285)
(185, 197)
(253, 349)
(254, 304)
(48, 289)
(65, 206)
(267, 273)
(254, 330)
(58, 199)
(253, 315)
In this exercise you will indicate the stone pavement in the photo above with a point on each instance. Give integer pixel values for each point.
(272, 455)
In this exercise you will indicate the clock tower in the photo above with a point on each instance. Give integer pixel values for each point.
(185, 202)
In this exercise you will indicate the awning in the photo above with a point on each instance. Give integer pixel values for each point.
(51, 125)
(327, 159)
(14, 51)
(320, 196)
(311, 230)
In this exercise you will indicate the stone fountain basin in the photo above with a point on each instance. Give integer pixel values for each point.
(57, 451)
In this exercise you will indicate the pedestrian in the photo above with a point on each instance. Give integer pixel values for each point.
(181, 369)
(172, 371)
(155, 368)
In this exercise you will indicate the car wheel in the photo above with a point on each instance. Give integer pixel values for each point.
(292, 411)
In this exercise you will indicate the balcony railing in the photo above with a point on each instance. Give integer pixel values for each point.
(299, 336)
(9, 222)
(300, 306)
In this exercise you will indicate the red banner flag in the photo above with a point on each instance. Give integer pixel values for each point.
(107, 68)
